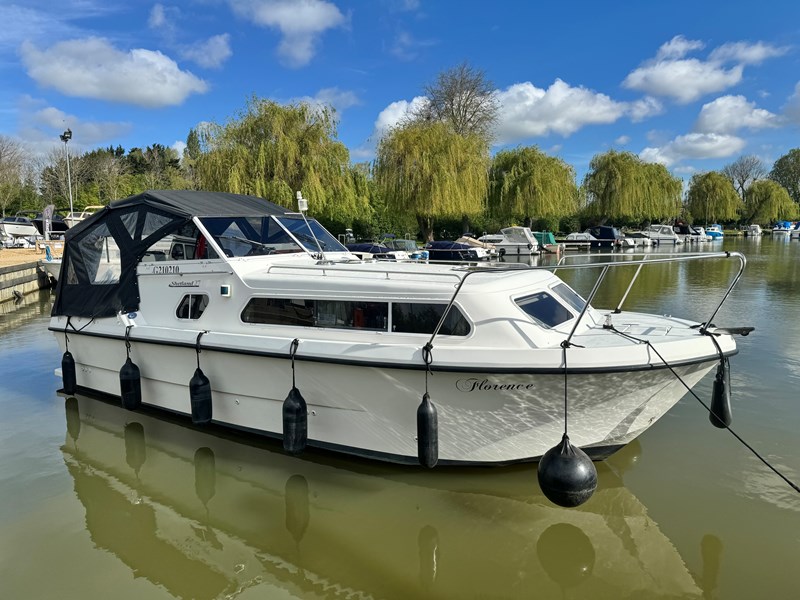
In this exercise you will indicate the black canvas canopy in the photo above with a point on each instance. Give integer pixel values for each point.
(126, 229)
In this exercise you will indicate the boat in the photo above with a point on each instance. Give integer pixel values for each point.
(18, 226)
(513, 240)
(689, 234)
(782, 228)
(577, 240)
(547, 242)
(795, 232)
(638, 238)
(408, 246)
(606, 236)
(376, 250)
(663, 235)
(753, 230)
(268, 324)
(455, 251)
(75, 217)
(57, 224)
(715, 232)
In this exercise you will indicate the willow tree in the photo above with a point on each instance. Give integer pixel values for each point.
(525, 182)
(712, 197)
(768, 201)
(786, 171)
(273, 150)
(430, 171)
(622, 187)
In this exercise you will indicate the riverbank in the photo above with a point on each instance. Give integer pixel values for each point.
(11, 257)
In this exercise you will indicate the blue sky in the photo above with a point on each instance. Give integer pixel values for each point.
(693, 85)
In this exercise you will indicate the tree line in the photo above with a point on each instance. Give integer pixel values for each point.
(433, 174)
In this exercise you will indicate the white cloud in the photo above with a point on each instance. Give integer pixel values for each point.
(641, 109)
(210, 53)
(678, 47)
(745, 53)
(338, 99)
(684, 79)
(179, 146)
(93, 68)
(407, 47)
(694, 146)
(394, 113)
(622, 140)
(301, 22)
(40, 126)
(792, 107)
(527, 111)
(728, 114)
(157, 17)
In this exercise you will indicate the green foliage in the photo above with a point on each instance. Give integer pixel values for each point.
(621, 187)
(428, 170)
(525, 182)
(712, 197)
(767, 201)
(273, 151)
(786, 171)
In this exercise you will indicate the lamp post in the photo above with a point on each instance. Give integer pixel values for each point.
(65, 137)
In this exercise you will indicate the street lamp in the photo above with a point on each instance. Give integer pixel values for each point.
(65, 137)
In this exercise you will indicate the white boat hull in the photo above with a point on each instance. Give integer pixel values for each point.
(483, 418)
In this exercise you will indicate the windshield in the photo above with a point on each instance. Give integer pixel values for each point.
(299, 228)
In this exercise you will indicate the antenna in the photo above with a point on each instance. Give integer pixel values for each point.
(302, 206)
(302, 203)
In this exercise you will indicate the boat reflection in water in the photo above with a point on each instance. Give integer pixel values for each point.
(206, 516)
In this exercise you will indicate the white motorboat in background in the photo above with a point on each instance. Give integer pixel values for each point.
(514, 240)
(76, 217)
(399, 361)
(663, 234)
(753, 230)
(18, 226)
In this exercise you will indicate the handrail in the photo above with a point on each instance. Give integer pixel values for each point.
(670, 258)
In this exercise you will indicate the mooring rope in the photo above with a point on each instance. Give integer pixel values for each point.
(427, 356)
(692, 392)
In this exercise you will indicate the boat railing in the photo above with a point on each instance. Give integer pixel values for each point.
(609, 262)
(344, 267)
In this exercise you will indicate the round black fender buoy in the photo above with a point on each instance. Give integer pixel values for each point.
(200, 397)
(566, 554)
(130, 385)
(567, 475)
(68, 377)
(135, 446)
(720, 415)
(502, 252)
(427, 433)
(73, 418)
(297, 506)
(205, 474)
(295, 422)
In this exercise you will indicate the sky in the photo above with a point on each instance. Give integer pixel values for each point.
(692, 85)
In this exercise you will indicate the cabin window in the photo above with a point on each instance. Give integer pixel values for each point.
(192, 306)
(408, 317)
(568, 295)
(100, 256)
(340, 314)
(544, 309)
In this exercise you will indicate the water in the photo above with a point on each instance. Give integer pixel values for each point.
(98, 502)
